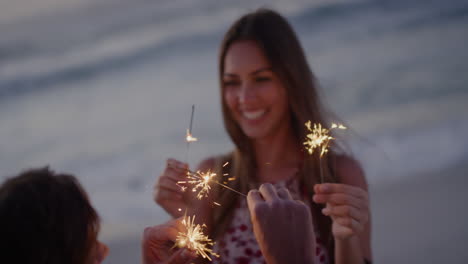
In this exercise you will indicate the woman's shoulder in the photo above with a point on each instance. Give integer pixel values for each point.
(349, 171)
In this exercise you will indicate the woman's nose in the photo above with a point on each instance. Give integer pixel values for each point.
(246, 94)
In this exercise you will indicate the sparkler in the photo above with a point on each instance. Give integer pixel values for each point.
(319, 138)
(194, 239)
(201, 182)
(189, 138)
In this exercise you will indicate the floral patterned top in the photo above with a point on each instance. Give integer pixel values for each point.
(239, 246)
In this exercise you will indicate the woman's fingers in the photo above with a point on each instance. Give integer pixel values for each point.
(341, 199)
(181, 256)
(168, 184)
(351, 223)
(177, 165)
(348, 207)
(330, 188)
(343, 211)
(165, 194)
(174, 174)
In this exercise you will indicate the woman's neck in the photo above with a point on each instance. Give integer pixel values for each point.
(280, 150)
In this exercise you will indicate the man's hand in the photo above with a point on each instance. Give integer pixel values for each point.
(282, 226)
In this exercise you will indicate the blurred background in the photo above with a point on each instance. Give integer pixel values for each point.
(103, 89)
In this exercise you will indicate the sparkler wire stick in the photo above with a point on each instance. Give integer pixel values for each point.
(189, 137)
(322, 180)
(229, 188)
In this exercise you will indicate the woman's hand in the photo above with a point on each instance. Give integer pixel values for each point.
(166, 191)
(282, 226)
(348, 207)
(158, 245)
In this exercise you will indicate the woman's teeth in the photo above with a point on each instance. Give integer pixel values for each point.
(251, 115)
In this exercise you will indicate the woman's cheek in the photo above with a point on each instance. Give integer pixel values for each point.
(230, 99)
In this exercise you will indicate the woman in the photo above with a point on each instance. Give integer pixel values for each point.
(268, 92)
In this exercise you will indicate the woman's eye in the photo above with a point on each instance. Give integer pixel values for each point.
(230, 83)
(262, 79)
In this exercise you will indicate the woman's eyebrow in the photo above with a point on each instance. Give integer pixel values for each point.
(252, 73)
(230, 75)
(261, 70)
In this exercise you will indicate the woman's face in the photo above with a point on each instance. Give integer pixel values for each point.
(253, 93)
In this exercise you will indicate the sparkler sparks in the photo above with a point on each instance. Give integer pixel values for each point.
(194, 239)
(320, 137)
(202, 181)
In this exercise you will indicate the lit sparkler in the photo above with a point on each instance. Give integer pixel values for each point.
(201, 182)
(194, 239)
(189, 138)
(319, 138)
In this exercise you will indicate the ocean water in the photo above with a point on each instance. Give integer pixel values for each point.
(103, 89)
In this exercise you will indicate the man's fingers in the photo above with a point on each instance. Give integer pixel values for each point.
(268, 192)
(283, 193)
(253, 198)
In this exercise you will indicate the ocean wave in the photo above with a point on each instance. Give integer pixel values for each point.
(412, 139)
(70, 46)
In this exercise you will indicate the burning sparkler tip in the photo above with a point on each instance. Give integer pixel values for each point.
(194, 239)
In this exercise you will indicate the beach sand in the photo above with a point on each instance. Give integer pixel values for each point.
(420, 220)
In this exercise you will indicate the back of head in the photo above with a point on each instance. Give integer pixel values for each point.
(45, 218)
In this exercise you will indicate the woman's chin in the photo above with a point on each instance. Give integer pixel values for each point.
(254, 133)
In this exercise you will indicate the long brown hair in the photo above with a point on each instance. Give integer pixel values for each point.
(273, 34)
(46, 218)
